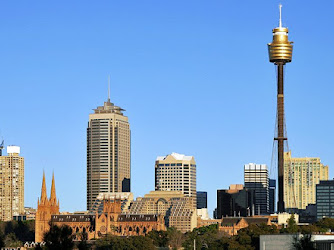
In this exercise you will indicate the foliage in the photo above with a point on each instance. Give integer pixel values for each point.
(292, 226)
(159, 238)
(118, 243)
(59, 237)
(326, 224)
(83, 245)
(23, 230)
(250, 236)
(11, 240)
(175, 238)
(309, 229)
(304, 243)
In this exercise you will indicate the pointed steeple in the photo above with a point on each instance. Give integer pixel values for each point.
(43, 193)
(53, 197)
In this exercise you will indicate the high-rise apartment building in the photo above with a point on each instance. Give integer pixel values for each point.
(301, 175)
(176, 172)
(11, 184)
(256, 178)
(108, 152)
(177, 208)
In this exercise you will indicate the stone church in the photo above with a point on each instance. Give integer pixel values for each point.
(110, 221)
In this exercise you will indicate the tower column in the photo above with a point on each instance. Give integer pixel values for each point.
(280, 134)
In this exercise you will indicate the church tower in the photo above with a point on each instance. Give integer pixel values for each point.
(45, 208)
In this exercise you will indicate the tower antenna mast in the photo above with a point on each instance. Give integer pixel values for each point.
(109, 88)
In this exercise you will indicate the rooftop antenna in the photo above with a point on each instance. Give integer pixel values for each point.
(109, 88)
(1, 147)
(280, 15)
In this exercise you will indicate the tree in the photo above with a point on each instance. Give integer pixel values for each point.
(142, 243)
(304, 243)
(11, 241)
(175, 238)
(292, 226)
(326, 224)
(159, 238)
(254, 231)
(83, 241)
(59, 237)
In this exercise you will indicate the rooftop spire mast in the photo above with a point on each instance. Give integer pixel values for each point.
(109, 88)
(280, 15)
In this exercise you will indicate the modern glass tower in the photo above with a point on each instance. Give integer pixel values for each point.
(256, 179)
(108, 152)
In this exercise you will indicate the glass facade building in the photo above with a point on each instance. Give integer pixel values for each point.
(325, 199)
(202, 199)
(256, 179)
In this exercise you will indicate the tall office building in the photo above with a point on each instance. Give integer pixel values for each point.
(325, 199)
(176, 172)
(108, 152)
(202, 199)
(235, 201)
(256, 178)
(272, 196)
(11, 184)
(301, 175)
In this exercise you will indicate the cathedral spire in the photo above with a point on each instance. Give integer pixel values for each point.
(53, 197)
(43, 193)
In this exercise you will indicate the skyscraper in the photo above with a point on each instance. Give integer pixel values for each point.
(108, 152)
(202, 199)
(256, 178)
(235, 201)
(11, 184)
(176, 172)
(301, 175)
(325, 199)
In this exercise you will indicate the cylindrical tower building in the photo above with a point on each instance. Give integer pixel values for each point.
(280, 53)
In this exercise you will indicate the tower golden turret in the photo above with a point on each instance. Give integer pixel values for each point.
(280, 53)
(280, 50)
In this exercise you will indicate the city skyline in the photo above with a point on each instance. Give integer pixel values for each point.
(155, 77)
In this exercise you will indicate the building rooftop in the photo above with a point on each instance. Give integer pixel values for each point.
(176, 156)
(108, 107)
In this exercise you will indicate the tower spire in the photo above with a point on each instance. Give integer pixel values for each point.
(53, 197)
(43, 192)
(280, 15)
(109, 88)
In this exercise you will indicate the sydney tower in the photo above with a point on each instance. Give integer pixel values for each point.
(280, 53)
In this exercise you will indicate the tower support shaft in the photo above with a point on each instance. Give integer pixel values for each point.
(280, 134)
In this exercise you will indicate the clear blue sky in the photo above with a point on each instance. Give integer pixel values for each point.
(193, 76)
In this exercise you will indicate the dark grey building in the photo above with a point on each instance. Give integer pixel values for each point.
(325, 199)
(272, 196)
(234, 202)
(202, 199)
